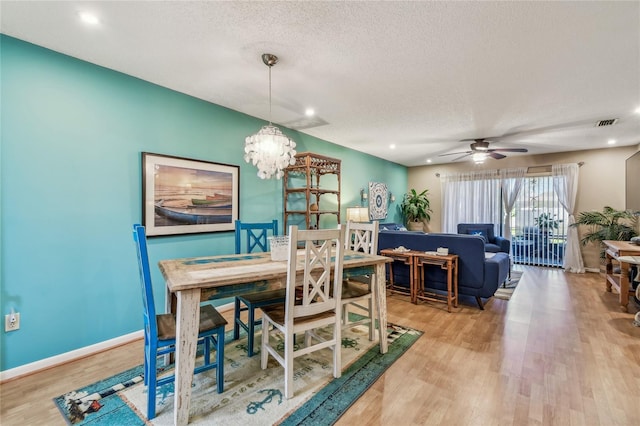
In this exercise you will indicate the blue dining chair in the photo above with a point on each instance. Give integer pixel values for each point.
(256, 235)
(160, 331)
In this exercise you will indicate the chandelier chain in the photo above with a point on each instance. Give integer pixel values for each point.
(270, 94)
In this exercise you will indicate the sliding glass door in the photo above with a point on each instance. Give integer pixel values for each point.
(538, 224)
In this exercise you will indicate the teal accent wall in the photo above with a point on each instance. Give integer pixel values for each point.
(72, 134)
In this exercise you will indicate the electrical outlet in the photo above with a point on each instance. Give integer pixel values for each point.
(12, 322)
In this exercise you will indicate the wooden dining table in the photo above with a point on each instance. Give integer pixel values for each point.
(192, 280)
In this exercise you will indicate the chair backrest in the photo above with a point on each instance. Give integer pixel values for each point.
(484, 229)
(362, 237)
(256, 235)
(140, 237)
(319, 288)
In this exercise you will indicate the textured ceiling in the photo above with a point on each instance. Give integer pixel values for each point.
(420, 75)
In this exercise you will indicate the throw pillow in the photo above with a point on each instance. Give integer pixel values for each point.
(480, 232)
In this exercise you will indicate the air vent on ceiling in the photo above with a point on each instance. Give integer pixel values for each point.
(609, 122)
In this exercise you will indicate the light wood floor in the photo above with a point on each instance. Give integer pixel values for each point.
(560, 352)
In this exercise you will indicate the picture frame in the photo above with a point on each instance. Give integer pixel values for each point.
(378, 200)
(188, 196)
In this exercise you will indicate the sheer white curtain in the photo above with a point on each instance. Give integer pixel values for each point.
(470, 197)
(510, 184)
(565, 185)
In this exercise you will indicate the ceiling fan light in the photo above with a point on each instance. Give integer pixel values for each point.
(479, 157)
(480, 146)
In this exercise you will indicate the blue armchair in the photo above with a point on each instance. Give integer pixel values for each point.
(492, 243)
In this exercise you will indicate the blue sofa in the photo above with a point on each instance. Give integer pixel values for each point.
(478, 275)
(493, 243)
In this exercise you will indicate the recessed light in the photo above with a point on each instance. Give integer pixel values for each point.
(611, 142)
(309, 112)
(392, 146)
(428, 160)
(89, 18)
(638, 110)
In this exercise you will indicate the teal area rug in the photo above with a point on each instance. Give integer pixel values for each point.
(252, 395)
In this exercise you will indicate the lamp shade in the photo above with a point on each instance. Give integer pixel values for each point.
(358, 214)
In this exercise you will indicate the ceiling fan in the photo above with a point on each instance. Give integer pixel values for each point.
(480, 151)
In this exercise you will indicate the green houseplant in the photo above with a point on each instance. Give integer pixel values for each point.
(416, 209)
(547, 222)
(609, 224)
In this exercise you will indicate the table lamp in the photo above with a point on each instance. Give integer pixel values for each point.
(358, 214)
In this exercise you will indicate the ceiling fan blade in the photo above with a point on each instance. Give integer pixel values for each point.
(496, 155)
(509, 150)
(462, 156)
(454, 153)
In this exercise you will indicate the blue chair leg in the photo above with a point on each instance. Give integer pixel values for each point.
(146, 365)
(151, 383)
(250, 333)
(236, 320)
(220, 360)
(207, 351)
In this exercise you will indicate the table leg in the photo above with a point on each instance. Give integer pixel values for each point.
(455, 283)
(187, 320)
(381, 300)
(608, 271)
(449, 289)
(414, 279)
(624, 286)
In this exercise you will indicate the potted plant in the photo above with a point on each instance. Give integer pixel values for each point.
(609, 224)
(415, 209)
(547, 222)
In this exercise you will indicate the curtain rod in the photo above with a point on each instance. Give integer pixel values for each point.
(580, 164)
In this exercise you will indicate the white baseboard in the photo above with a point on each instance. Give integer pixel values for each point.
(53, 361)
(596, 270)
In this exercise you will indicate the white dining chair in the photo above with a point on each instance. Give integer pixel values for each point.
(312, 302)
(358, 291)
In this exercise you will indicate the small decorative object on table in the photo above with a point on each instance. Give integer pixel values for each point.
(401, 249)
(279, 246)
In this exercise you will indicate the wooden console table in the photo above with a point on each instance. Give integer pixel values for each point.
(448, 262)
(407, 258)
(417, 261)
(620, 282)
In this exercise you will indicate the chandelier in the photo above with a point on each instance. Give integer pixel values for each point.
(269, 149)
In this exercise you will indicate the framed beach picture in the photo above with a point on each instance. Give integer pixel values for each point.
(186, 196)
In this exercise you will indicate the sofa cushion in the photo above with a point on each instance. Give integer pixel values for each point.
(482, 232)
(388, 226)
